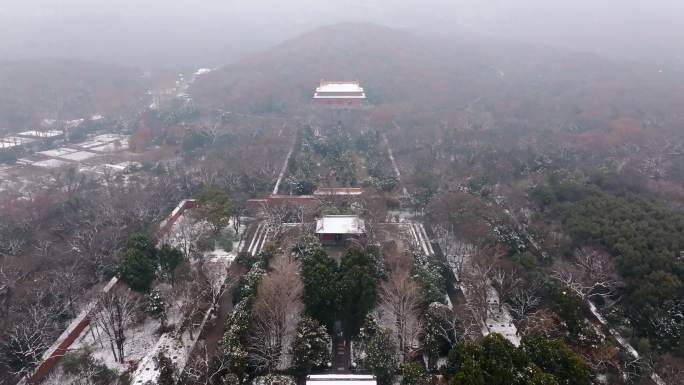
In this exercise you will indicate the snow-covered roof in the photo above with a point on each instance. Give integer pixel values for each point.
(41, 134)
(340, 224)
(340, 379)
(339, 89)
(338, 191)
(13, 141)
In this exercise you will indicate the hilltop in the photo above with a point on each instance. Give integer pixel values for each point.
(438, 76)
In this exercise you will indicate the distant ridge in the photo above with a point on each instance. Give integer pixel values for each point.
(416, 74)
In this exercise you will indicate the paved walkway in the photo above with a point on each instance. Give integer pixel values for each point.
(341, 359)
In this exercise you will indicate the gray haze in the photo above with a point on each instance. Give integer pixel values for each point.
(175, 33)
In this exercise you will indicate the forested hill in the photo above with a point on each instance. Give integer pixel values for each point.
(32, 90)
(534, 86)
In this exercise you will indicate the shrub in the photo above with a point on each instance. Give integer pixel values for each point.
(225, 241)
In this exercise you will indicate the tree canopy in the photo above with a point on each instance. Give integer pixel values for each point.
(644, 236)
(215, 207)
(310, 346)
(348, 292)
(494, 360)
(142, 261)
(138, 265)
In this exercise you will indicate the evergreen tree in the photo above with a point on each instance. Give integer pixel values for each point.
(138, 265)
(168, 258)
(414, 373)
(319, 273)
(556, 358)
(470, 373)
(215, 207)
(358, 285)
(310, 348)
(157, 307)
(496, 361)
(381, 357)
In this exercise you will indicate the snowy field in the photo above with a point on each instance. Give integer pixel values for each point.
(49, 163)
(57, 152)
(78, 156)
(106, 143)
(139, 340)
(179, 347)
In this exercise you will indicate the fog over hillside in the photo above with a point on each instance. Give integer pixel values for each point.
(290, 192)
(439, 76)
(174, 33)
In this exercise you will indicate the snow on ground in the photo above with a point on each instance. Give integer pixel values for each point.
(139, 340)
(142, 341)
(50, 163)
(179, 347)
(398, 216)
(499, 319)
(78, 156)
(111, 147)
(57, 152)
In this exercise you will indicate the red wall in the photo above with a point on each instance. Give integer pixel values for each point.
(44, 368)
(340, 102)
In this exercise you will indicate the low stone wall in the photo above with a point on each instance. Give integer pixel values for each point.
(52, 356)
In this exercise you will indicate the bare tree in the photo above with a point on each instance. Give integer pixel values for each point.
(590, 274)
(276, 312)
(186, 234)
(95, 247)
(12, 246)
(672, 374)
(451, 325)
(9, 277)
(27, 340)
(544, 322)
(193, 294)
(275, 217)
(476, 285)
(67, 286)
(203, 368)
(505, 282)
(115, 312)
(216, 279)
(522, 303)
(457, 252)
(401, 297)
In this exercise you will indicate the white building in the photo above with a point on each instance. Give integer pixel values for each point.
(333, 229)
(340, 93)
(340, 379)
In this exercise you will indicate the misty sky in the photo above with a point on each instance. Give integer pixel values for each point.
(172, 33)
